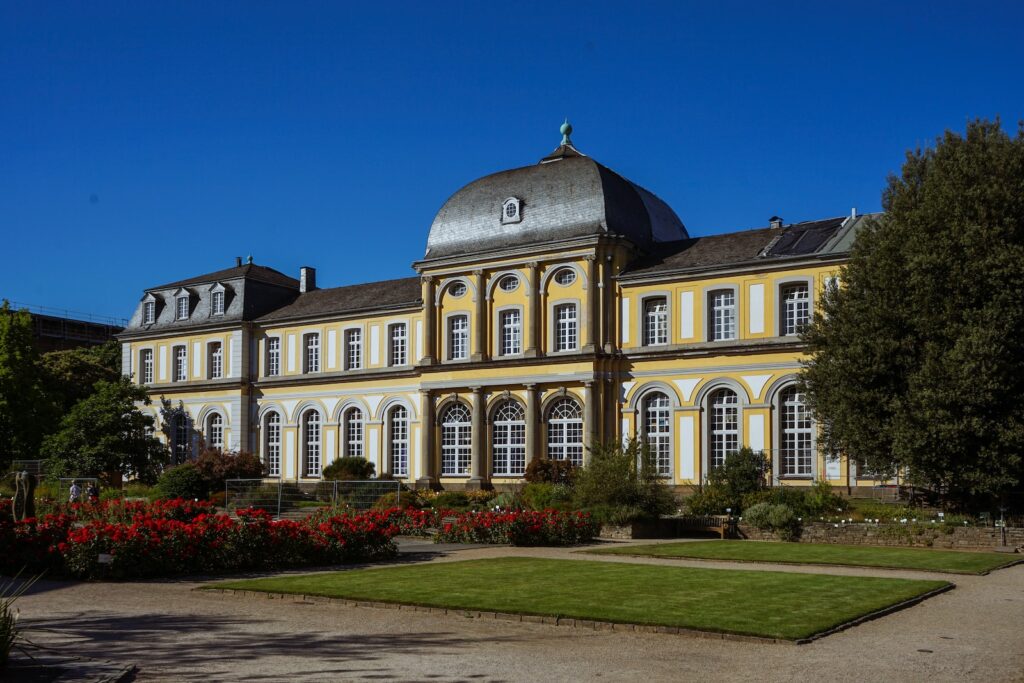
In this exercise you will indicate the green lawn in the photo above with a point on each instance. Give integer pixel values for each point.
(955, 562)
(768, 604)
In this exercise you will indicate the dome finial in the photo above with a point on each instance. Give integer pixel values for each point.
(566, 130)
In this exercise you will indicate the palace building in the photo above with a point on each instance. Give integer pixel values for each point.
(556, 305)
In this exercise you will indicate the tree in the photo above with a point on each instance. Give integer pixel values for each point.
(105, 434)
(917, 359)
(25, 412)
(620, 484)
(70, 375)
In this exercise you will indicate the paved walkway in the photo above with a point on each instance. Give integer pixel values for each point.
(973, 633)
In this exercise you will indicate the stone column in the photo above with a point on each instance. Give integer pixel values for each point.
(428, 477)
(480, 339)
(534, 312)
(593, 309)
(479, 460)
(429, 322)
(532, 423)
(607, 305)
(590, 418)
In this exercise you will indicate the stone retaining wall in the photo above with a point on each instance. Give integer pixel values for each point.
(904, 535)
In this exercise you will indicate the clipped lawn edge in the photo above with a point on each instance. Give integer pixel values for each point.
(794, 563)
(572, 622)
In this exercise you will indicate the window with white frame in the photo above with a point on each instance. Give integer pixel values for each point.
(180, 363)
(511, 332)
(457, 289)
(273, 356)
(215, 360)
(182, 442)
(353, 349)
(398, 441)
(565, 276)
(724, 425)
(146, 364)
(149, 313)
(508, 442)
(796, 308)
(456, 441)
(215, 431)
(218, 303)
(655, 321)
(311, 360)
(353, 433)
(458, 337)
(722, 303)
(399, 344)
(797, 434)
(181, 307)
(509, 283)
(272, 445)
(311, 443)
(657, 432)
(566, 327)
(565, 431)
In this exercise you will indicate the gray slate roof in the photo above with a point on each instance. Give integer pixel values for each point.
(353, 298)
(761, 245)
(250, 271)
(566, 195)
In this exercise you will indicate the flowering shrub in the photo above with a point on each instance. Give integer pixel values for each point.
(119, 539)
(524, 527)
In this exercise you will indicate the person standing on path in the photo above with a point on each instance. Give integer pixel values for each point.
(76, 492)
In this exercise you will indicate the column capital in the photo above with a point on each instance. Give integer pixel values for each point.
(533, 264)
(478, 272)
(426, 392)
(532, 386)
(427, 279)
(590, 257)
(477, 389)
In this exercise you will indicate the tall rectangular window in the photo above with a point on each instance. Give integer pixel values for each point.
(796, 308)
(273, 356)
(566, 329)
(182, 307)
(149, 313)
(218, 303)
(146, 363)
(398, 348)
(655, 321)
(312, 359)
(215, 362)
(353, 349)
(458, 337)
(180, 363)
(273, 446)
(723, 315)
(511, 332)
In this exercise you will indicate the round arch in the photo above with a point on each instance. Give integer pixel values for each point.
(344, 406)
(772, 393)
(447, 402)
(640, 391)
(442, 288)
(498, 276)
(390, 402)
(499, 399)
(267, 408)
(555, 396)
(721, 383)
(311, 404)
(554, 268)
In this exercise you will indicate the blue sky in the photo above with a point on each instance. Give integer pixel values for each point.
(146, 142)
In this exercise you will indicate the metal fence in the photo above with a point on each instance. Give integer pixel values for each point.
(292, 499)
(31, 466)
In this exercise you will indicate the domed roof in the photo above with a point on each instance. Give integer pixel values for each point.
(566, 195)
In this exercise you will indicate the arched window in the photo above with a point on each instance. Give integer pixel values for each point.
(657, 432)
(509, 440)
(398, 440)
(272, 444)
(456, 441)
(311, 443)
(796, 429)
(723, 425)
(565, 431)
(215, 431)
(181, 445)
(353, 433)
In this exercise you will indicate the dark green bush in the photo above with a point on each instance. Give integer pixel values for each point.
(813, 501)
(349, 468)
(622, 477)
(182, 481)
(777, 518)
(454, 500)
(547, 496)
(744, 473)
(544, 471)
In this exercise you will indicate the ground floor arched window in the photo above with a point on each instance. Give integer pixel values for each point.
(311, 443)
(508, 441)
(272, 444)
(215, 431)
(657, 430)
(456, 441)
(353, 429)
(398, 441)
(796, 435)
(723, 425)
(565, 431)
(181, 438)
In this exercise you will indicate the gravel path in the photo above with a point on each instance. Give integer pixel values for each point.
(973, 633)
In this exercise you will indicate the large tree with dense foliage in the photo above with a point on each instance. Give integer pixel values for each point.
(105, 434)
(25, 411)
(70, 375)
(917, 358)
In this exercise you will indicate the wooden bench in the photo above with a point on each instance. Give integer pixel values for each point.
(723, 525)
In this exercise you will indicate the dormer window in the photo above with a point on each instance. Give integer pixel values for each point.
(181, 307)
(149, 313)
(510, 211)
(218, 303)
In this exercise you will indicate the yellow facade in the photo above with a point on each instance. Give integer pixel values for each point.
(500, 356)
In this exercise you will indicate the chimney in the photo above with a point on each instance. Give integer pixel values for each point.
(238, 261)
(775, 222)
(307, 279)
(853, 212)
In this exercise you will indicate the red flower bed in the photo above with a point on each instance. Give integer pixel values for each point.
(524, 527)
(116, 539)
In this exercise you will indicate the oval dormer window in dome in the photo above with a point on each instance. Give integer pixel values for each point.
(510, 210)
(457, 289)
(565, 276)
